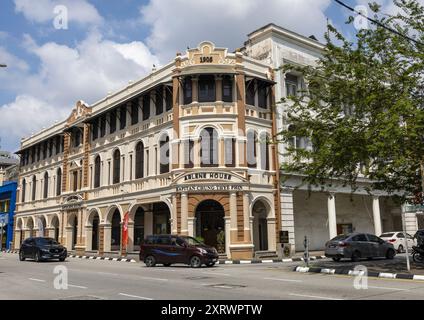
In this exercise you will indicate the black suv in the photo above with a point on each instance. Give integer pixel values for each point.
(41, 249)
(170, 249)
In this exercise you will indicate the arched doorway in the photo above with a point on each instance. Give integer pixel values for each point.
(138, 228)
(161, 218)
(92, 231)
(210, 224)
(260, 226)
(115, 242)
(55, 226)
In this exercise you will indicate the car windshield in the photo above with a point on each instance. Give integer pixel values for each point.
(340, 237)
(387, 235)
(46, 241)
(193, 241)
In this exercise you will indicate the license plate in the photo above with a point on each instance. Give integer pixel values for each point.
(56, 256)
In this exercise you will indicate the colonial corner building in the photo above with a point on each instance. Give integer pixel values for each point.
(187, 150)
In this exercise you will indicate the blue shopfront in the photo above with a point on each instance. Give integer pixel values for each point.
(7, 210)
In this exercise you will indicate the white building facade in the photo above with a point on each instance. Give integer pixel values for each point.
(318, 215)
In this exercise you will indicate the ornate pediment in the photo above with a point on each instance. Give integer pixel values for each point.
(81, 110)
(206, 53)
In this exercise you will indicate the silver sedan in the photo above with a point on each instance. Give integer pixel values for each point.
(358, 245)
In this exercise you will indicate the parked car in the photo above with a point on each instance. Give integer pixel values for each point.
(41, 249)
(398, 240)
(358, 245)
(170, 249)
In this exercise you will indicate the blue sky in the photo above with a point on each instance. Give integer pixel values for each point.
(109, 42)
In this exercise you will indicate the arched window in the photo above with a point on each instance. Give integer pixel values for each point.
(23, 190)
(34, 187)
(251, 149)
(59, 182)
(164, 155)
(46, 186)
(139, 160)
(97, 172)
(209, 147)
(116, 166)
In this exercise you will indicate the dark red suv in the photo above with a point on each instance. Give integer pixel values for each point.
(169, 249)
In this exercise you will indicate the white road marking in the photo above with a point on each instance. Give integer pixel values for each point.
(38, 280)
(313, 297)
(218, 274)
(108, 274)
(156, 279)
(286, 280)
(133, 296)
(74, 286)
(387, 288)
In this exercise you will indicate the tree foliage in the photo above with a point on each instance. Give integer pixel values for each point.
(363, 108)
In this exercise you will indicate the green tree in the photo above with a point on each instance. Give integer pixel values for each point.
(364, 106)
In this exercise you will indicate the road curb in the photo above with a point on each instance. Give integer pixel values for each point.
(265, 261)
(384, 275)
(252, 261)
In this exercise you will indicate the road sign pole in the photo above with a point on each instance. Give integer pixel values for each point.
(408, 266)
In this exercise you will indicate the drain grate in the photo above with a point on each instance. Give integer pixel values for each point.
(226, 286)
(82, 298)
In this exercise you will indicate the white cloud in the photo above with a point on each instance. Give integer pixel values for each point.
(42, 11)
(26, 115)
(68, 74)
(180, 23)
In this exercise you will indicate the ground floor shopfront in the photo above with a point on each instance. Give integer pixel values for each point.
(237, 222)
(321, 216)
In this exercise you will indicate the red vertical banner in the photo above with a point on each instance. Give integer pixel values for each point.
(125, 230)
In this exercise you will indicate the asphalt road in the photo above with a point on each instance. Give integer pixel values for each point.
(112, 280)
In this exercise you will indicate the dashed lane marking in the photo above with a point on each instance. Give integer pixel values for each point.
(284, 280)
(313, 297)
(133, 296)
(37, 280)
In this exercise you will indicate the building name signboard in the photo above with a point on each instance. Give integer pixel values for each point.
(208, 187)
(72, 203)
(208, 175)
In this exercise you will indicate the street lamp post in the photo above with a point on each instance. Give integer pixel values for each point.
(405, 236)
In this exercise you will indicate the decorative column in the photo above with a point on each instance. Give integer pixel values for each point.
(248, 222)
(287, 216)
(376, 215)
(227, 236)
(195, 89)
(184, 214)
(89, 238)
(49, 232)
(332, 220)
(241, 109)
(191, 222)
(148, 223)
(218, 84)
(17, 239)
(130, 244)
(101, 240)
(233, 217)
(107, 237)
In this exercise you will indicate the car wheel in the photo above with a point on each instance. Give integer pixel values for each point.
(167, 264)
(356, 255)
(21, 256)
(390, 254)
(150, 261)
(400, 248)
(337, 259)
(417, 257)
(37, 257)
(195, 262)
